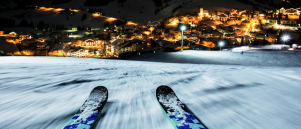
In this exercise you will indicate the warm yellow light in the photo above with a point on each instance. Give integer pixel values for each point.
(96, 14)
(151, 29)
(111, 19)
(131, 23)
(58, 9)
(75, 10)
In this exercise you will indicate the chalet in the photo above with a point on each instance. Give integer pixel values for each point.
(112, 49)
(24, 36)
(133, 46)
(272, 20)
(223, 17)
(78, 53)
(41, 45)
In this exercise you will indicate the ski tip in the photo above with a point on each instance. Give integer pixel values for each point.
(103, 88)
(164, 87)
(100, 89)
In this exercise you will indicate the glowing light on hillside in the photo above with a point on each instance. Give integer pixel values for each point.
(48, 9)
(131, 23)
(111, 19)
(151, 29)
(74, 10)
(58, 9)
(13, 41)
(174, 22)
(146, 32)
(97, 14)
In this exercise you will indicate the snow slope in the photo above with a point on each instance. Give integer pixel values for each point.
(45, 92)
(255, 58)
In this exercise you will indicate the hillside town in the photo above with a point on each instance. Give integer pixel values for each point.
(221, 31)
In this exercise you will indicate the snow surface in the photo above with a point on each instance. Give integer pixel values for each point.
(45, 92)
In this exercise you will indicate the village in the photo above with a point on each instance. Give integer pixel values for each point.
(221, 31)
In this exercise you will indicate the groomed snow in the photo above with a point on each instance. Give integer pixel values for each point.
(45, 92)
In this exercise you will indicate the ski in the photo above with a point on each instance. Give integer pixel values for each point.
(90, 110)
(179, 115)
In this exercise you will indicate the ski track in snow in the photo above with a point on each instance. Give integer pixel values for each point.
(45, 92)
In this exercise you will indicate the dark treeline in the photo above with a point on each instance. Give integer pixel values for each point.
(42, 25)
(25, 23)
(84, 17)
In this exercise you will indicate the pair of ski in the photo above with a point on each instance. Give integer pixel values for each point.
(179, 115)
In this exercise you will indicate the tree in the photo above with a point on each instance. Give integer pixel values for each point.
(31, 24)
(23, 23)
(84, 17)
(242, 40)
(79, 28)
(153, 43)
(57, 27)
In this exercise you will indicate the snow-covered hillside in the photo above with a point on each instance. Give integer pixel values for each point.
(45, 92)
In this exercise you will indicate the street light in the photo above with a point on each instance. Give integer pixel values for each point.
(221, 43)
(183, 28)
(285, 38)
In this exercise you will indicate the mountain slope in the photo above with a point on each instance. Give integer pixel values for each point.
(139, 11)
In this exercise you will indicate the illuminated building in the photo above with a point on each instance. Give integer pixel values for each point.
(78, 53)
(22, 37)
(201, 13)
(92, 43)
(27, 52)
